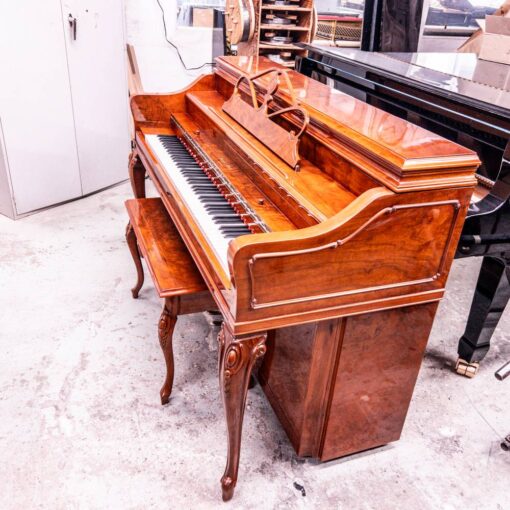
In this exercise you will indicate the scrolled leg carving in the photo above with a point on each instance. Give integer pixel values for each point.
(237, 357)
(166, 327)
(135, 253)
(137, 175)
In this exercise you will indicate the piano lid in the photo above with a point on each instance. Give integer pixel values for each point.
(462, 74)
(394, 142)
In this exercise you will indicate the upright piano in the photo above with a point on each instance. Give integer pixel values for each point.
(466, 100)
(324, 229)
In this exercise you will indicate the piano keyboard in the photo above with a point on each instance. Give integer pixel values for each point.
(214, 214)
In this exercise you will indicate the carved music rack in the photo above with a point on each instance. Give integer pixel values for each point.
(261, 123)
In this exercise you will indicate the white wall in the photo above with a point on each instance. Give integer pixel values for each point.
(159, 65)
(143, 21)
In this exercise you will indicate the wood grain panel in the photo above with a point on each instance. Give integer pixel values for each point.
(365, 259)
(414, 245)
(408, 152)
(379, 361)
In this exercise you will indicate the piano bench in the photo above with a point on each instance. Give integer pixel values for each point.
(172, 269)
(152, 235)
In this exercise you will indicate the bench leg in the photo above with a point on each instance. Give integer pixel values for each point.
(237, 355)
(137, 175)
(135, 253)
(165, 330)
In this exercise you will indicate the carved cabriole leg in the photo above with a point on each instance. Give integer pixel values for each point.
(165, 331)
(135, 253)
(137, 175)
(237, 357)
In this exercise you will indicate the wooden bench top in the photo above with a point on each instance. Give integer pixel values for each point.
(173, 270)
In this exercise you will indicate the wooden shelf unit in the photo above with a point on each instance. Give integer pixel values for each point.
(279, 47)
(300, 31)
(270, 7)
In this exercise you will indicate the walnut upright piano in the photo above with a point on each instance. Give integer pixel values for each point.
(324, 230)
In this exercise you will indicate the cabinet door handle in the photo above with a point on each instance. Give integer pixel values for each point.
(73, 22)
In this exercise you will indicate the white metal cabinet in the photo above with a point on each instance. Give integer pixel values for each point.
(35, 105)
(64, 128)
(98, 85)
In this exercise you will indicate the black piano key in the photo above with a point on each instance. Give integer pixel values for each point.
(210, 200)
(234, 230)
(218, 206)
(234, 222)
(203, 189)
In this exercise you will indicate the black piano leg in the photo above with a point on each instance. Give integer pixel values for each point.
(491, 297)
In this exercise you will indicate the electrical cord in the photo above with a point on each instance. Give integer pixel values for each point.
(175, 47)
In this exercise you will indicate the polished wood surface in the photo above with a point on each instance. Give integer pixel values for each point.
(259, 121)
(344, 386)
(317, 193)
(137, 175)
(237, 357)
(174, 307)
(135, 253)
(172, 269)
(371, 393)
(409, 151)
(359, 241)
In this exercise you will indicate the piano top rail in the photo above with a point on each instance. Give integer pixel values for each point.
(407, 152)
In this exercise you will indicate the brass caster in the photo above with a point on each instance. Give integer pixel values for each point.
(467, 369)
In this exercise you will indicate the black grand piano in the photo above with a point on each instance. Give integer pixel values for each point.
(468, 101)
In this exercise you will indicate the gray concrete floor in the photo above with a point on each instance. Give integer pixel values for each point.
(81, 426)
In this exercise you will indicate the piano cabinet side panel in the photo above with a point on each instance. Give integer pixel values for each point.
(296, 377)
(342, 386)
(381, 247)
(377, 367)
(155, 109)
(284, 375)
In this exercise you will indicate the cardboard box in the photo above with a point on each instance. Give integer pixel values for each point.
(203, 17)
(496, 40)
(493, 36)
